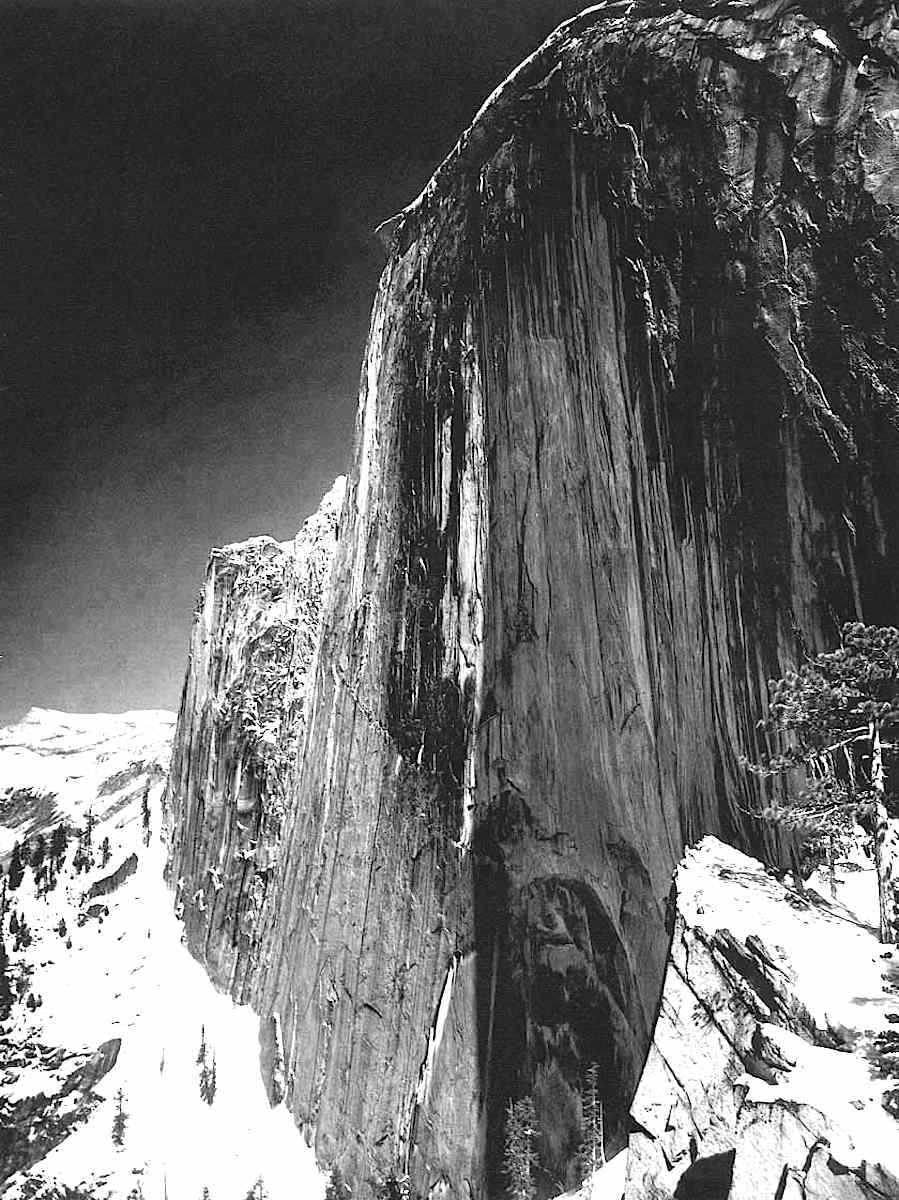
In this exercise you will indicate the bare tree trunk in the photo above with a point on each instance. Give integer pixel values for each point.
(884, 853)
(832, 863)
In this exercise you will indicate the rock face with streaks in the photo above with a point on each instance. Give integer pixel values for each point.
(626, 447)
(240, 725)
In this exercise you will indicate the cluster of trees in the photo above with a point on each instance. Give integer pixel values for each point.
(520, 1158)
(45, 859)
(84, 852)
(207, 1069)
(832, 723)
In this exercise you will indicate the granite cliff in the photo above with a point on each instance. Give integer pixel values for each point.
(240, 724)
(626, 447)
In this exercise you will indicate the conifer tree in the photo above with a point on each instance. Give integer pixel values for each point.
(593, 1150)
(22, 935)
(59, 841)
(6, 992)
(119, 1121)
(520, 1156)
(831, 716)
(16, 872)
(105, 852)
(145, 813)
(38, 853)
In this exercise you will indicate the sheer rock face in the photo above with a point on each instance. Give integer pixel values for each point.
(626, 447)
(240, 725)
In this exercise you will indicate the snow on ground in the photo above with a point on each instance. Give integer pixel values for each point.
(605, 1184)
(129, 976)
(841, 972)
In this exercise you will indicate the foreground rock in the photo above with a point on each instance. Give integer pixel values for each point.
(766, 1078)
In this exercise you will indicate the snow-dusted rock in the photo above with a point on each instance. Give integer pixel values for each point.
(239, 729)
(761, 1080)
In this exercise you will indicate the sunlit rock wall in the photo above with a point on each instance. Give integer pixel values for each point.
(239, 728)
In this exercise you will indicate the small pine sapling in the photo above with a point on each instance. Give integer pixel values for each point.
(59, 841)
(519, 1155)
(119, 1121)
(6, 993)
(38, 854)
(593, 1149)
(16, 872)
(145, 813)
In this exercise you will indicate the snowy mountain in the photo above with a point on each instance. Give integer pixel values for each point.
(122, 1071)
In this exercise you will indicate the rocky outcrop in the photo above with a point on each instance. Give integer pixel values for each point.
(115, 879)
(31, 1126)
(758, 1083)
(626, 447)
(239, 729)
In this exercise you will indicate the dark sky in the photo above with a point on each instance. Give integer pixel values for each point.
(187, 193)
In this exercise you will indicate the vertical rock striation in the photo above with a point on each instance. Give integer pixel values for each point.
(240, 725)
(626, 448)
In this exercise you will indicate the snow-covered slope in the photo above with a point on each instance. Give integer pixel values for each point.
(111, 1002)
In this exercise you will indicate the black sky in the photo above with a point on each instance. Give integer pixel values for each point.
(187, 193)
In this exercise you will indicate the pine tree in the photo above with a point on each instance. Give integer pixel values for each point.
(22, 935)
(38, 853)
(105, 852)
(59, 841)
(6, 992)
(145, 813)
(201, 1053)
(16, 872)
(119, 1121)
(832, 714)
(593, 1150)
(208, 1081)
(520, 1156)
